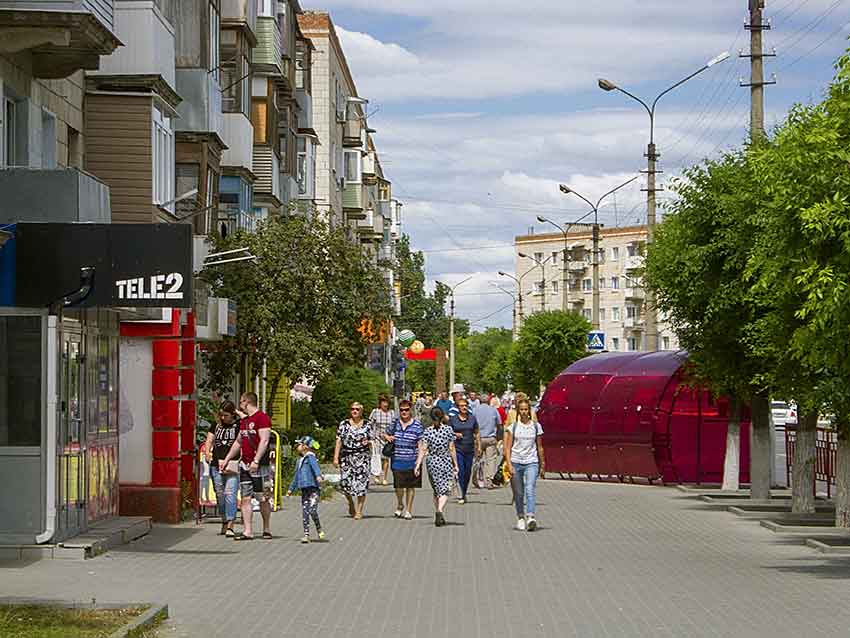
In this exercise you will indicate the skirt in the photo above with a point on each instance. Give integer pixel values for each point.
(403, 479)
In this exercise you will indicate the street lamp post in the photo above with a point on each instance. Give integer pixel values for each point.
(452, 332)
(595, 210)
(518, 281)
(651, 158)
(512, 296)
(543, 273)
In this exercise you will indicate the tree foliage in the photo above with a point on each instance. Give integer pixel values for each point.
(300, 303)
(333, 396)
(547, 343)
(475, 353)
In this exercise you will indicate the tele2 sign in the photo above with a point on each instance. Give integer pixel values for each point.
(168, 286)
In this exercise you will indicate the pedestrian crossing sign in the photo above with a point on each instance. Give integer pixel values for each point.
(596, 341)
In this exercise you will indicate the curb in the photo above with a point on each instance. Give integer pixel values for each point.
(152, 616)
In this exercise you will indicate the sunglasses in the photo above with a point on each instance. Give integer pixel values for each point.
(404, 409)
(355, 409)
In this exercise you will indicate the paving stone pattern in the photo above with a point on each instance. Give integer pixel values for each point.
(609, 561)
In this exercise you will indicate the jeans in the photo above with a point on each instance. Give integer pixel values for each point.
(226, 486)
(489, 459)
(464, 461)
(524, 483)
(310, 508)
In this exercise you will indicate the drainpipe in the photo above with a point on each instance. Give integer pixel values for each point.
(50, 452)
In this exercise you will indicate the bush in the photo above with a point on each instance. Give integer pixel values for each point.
(332, 396)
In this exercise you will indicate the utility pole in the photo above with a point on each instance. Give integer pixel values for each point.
(651, 317)
(452, 342)
(595, 315)
(757, 83)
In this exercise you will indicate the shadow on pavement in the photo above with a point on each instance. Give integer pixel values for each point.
(164, 537)
(833, 567)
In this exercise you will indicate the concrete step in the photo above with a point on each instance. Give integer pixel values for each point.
(779, 513)
(100, 538)
(811, 527)
(838, 544)
(714, 490)
(724, 502)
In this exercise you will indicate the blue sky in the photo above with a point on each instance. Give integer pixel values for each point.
(483, 106)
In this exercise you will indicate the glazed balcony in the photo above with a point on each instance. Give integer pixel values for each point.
(353, 198)
(268, 55)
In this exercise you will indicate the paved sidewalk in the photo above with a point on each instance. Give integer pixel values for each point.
(610, 560)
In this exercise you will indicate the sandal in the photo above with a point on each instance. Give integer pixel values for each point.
(267, 536)
(242, 537)
(229, 533)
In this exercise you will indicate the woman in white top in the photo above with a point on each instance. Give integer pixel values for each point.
(524, 462)
(380, 419)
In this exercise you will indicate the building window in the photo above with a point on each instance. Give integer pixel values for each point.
(214, 37)
(384, 192)
(306, 167)
(615, 313)
(615, 253)
(615, 283)
(302, 66)
(631, 312)
(632, 250)
(352, 167)
(341, 102)
(260, 120)
(22, 361)
(538, 288)
(8, 151)
(633, 344)
(615, 343)
(538, 256)
(665, 343)
(186, 179)
(602, 314)
(587, 285)
(585, 312)
(554, 258)
(267, 8)
(235, 73)
(601, 283)
(162, 145)
(555, 287)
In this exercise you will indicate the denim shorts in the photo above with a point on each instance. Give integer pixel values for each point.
(257, 485)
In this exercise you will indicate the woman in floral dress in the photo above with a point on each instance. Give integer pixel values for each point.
(438, 449)
(352, 456)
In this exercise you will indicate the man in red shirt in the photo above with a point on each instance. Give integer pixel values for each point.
(254, 470)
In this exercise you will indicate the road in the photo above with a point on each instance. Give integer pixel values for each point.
(610, 560)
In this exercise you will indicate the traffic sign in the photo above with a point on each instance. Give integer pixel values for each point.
(596, 341)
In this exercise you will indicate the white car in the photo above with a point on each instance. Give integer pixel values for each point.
(783, 413)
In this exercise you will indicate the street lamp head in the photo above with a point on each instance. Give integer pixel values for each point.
(542, 219)
(720, 58)
(503, 273)
(524, 256)
(606, 85)
(566, 190)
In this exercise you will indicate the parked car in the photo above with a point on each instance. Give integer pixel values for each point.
(783, 413)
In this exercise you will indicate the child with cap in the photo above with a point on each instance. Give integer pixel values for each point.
(308, 476)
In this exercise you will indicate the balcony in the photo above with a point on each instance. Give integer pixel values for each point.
(633, 262)
(63, 36)
(635, 293)
(268, 55)
(369, 168)
(352, 201)
(352, 134)
(577, 266)
(62, 195)
(633, 323)
(240, 13)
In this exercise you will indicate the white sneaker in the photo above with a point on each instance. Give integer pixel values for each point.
(531, 524)
(408, 516)
(520, 524)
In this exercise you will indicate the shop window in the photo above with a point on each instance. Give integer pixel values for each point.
(20, 381)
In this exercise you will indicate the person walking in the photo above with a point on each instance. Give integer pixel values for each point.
(467, 444)
(474, 401)
(379, 420)
(438, 451)
(458, 391)
(405, 435)
(308, 478)
(444, 403)
(488, 425)
(525, 463)
(225, 483)
(351, 455)
(254, 470)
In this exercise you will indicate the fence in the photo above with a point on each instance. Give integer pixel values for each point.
(826, 449)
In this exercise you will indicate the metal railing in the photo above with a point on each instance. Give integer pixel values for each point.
(826, 450)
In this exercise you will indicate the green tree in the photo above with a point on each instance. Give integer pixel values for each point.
(696, 266)
(802, 261)
(547, 343)
(333, 395)
(475, 352)
(300, 303)
(496, 375)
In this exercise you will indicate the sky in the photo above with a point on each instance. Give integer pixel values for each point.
(482, 107)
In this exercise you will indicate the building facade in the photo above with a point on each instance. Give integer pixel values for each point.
(621, 294)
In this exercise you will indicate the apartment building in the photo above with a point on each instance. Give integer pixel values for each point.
(622, 296)
(339, 123)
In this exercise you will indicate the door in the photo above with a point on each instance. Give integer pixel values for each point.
(71, 437)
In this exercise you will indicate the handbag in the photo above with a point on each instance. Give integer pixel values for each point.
(231, 467)
(389, 449)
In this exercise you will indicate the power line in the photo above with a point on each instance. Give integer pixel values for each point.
(492, 314)
(798, 37)
(815, 48)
